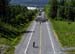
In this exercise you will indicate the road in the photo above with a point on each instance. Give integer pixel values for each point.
(43, 36)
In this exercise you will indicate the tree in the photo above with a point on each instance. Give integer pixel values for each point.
(53, 8)
(70, 10)
(3, 6)
(61, 8)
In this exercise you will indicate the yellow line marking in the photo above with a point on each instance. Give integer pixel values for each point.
(40, 39)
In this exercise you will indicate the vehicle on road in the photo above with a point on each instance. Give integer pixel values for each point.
(40, 19)
(33, 44)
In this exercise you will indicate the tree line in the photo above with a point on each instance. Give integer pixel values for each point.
(62, 9)
(13, 19)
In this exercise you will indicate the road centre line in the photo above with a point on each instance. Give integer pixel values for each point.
(40, 39)
(50, 37)
(32, 29)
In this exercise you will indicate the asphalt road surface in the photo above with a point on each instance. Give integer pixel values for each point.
(43, 36)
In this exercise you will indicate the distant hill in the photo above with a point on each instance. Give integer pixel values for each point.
(39, 3)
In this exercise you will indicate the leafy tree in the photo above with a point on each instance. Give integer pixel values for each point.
(69, 10)
(53, 8)
(3, 6)
(61, 8)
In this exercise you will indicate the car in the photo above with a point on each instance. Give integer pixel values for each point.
(44, 19)
(40, 19)
(39, 14)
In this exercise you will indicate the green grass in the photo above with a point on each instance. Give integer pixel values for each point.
(65, 32)
(70, 52)
(10, 50)
(4, 41)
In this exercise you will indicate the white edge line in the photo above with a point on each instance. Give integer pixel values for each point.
(32, 29)
(50, 37)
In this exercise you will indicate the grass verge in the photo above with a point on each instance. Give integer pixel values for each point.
(70, 52)
(65, 32)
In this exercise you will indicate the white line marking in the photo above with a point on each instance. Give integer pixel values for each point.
(50, 37)
(30, 37)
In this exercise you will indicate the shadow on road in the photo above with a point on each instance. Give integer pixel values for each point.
(28, 31)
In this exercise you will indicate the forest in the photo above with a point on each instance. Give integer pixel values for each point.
(13, 18)
(62, 9)
(14, 21)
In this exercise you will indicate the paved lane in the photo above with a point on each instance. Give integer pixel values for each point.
(35, 37)
(42, 41)
(23, 45)
(45, 41)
